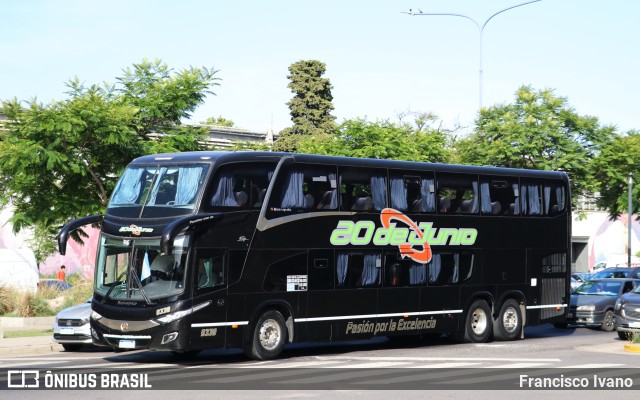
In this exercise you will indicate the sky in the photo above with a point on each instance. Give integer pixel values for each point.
(380, 61)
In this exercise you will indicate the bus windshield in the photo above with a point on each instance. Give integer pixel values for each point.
(135, 270)
(157, 191)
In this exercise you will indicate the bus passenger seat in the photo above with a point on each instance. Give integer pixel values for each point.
(465, 207)
(260, 199)
(363, 203)
(416, 205)
(162, 266)
(496, 207)
(325, 201)
(241, 198)
(444, 204)
(309, 200)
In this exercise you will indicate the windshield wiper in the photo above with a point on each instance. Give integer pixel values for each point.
(117, 282)
(142, 291)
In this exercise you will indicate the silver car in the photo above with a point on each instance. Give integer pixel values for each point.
(72, 328)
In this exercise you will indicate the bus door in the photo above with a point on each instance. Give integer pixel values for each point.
(210, 292)
(400, 295)
(320, 294)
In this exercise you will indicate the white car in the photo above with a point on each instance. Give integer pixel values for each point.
(72, 329)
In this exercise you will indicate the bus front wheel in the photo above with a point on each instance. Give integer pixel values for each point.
(269, 334)
(478, 323)
(509, 323)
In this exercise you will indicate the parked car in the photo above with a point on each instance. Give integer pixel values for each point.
(576, 281)
(71, 328)
(54, 284)
(623, 272)
(627, 314)
(592, 304)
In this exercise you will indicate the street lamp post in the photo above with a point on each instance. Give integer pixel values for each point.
(629, 220)
(480, 31)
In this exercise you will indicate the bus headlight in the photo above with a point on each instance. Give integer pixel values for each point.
(166, 319)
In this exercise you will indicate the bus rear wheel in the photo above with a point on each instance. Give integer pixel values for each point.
(477, 326)
(509, 323)
(269, 334)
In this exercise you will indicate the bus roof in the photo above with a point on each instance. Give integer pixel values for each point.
(222, 157)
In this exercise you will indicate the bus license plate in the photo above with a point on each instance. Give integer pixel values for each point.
(67, 331)
(127, 344)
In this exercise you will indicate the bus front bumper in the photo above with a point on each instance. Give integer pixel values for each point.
(138, 335)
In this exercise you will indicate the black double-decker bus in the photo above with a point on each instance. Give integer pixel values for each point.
(254, 249)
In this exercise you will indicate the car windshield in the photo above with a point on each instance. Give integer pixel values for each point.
(612, 273)
(600, 288)
(135, 269)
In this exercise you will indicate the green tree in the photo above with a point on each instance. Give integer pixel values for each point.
(538, 131)
(612, 167)
(381, 139)
(218, 121)
(61, 160)
(311, 104)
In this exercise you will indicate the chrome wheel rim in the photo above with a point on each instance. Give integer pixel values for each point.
(479, 321)
(510, 319)
(270, 334)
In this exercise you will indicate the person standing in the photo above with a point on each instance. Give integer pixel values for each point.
(61, 273)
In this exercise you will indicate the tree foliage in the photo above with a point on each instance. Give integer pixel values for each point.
(61, 160)
(612, 167)
(538, 131)
(218, 121)
(311, 105)
(381, 139)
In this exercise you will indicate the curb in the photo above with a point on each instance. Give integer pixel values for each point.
(30, 350)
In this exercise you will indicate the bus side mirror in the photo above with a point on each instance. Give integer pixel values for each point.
(63, 235)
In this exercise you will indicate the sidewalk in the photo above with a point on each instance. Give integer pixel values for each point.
(30, 344)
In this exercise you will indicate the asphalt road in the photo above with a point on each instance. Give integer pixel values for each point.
(351, 370)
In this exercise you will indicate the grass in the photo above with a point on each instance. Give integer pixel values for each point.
(633, 337)
(28, 333)
(45, 301)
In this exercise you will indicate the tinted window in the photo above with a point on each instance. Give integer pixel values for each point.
(356, 270)
(412, 192)
(457, 194)
(363, 189)
(499, 196)
(305, 188)
(240, 186)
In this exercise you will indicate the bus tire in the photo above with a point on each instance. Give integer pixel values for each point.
(508, 325)
(269, 334)
(478, 323)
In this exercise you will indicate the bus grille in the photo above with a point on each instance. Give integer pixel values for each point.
(552, 293)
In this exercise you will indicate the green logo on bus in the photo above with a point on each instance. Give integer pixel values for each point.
(414, 241)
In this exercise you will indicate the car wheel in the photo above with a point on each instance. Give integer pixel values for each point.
(608, 324)
(71, 346)
(509, 323)
(269, 334)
